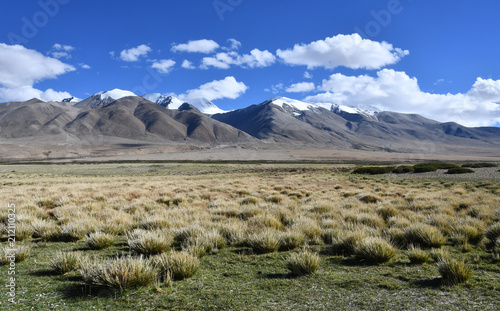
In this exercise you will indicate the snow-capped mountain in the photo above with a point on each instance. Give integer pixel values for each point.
(103, 98)
(169, 102)
(348, 112)
(202, 104)
(296, 107)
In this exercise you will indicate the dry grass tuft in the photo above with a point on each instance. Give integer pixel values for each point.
(374, 250)
(65, 262)
(265, 241)
(19, 254)
(149, 242)
(99, 240)
(454, 271)
(303, 262)
(424, 236)
(180, 265)
(120, 273)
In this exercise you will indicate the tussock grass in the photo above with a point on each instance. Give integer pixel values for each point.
(99, 240)
(45, 229)
(289, 212)
(291, 239)
(346, 243)
(65, 262)
(303, 262)
(453, 271)
(493, 232)
(424, 236)
(180, 265)
(19, 253)
(418, 256)
(234, 233)
(374, 250)
(265, 241)
(149, 242)
(369, 198)
(120, 274)
(265, 220)
(24, 231)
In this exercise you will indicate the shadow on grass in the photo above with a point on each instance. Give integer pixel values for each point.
(45, 272)
(79, 291)
(429, 283)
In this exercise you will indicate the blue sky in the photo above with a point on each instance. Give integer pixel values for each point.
(436, 58)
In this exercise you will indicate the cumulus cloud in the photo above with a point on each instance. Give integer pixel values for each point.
(187, 65)
(234, 45)
(308, 75)
(396, 91)
(256, 58)
(62, 47)
(163, 65)
(197, 46)
(23, 93)
(217, 89)
(133, 54)
(20, 66)
(349, 51)
(301, 87)
(84, 66)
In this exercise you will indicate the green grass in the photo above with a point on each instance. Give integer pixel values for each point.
(238, 277)
(480, 165)
(235, 278)
(373, 170)
(432, 167)
(459, 170)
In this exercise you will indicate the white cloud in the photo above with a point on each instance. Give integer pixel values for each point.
(163, 65)
(20, 66)
(308, 75)
(84, 66)
(187, 64)
(486, 90)
(234, 45)
(301, 87)
(349, 51)
(396, 91)
(23, 93)
(62, 47)
(197, 46)
(61, 51)
(256, 58)
(60, 54)
(133, 54)
(275, 89)
(217, 89)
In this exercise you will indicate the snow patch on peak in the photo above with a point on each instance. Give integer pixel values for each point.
(369, 112)
(297, 104)
(171, 102)
(297, 107)
(115, 94)
(204, 105)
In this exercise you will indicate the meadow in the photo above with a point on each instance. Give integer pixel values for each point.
(247, 236)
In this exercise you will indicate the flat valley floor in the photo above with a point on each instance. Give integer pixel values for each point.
(240, 223)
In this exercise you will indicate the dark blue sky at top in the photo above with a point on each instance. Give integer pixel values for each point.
(451, 43)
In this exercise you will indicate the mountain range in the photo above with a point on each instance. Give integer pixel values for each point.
(121, 118)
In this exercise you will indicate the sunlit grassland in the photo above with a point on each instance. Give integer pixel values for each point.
(250, 236)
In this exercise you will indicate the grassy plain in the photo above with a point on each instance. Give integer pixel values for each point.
(257, 236)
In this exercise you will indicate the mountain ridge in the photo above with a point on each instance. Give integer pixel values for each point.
(102, 119)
